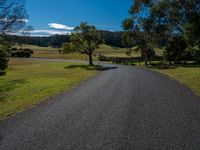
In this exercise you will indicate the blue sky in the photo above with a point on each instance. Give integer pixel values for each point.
(60, 16)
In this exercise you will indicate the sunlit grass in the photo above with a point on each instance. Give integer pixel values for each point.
(27, 82)
(188, 75)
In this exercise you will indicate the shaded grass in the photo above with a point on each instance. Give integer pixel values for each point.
(188, 75)
(27, 82)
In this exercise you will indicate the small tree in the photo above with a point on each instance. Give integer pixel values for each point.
(13, 18)
(85, 39)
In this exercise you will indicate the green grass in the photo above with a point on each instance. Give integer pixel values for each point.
(188, 75)
(27, 82)
(106, 50)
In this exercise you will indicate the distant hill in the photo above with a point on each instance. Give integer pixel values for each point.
(109, 38)
(53, 41)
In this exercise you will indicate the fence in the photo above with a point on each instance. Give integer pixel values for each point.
(120, 60)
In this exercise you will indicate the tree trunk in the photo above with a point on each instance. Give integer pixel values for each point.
(170, 60)
(139, 61)
(90, 59)
(145, 57)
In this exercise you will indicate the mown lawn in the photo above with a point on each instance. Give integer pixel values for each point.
(188, 75)
(27, 82)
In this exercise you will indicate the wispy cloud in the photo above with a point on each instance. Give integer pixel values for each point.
(60, 26)
(23, 20)
(49, 32)
(10, 20)
(59, 29)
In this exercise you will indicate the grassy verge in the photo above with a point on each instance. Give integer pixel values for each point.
(188, 75)
(27, 82)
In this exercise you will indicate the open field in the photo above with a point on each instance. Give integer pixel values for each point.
(106, 50)
(188, 75)
(52, 53)
(27, 82)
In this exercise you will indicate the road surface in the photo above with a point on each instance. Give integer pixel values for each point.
(122, 108)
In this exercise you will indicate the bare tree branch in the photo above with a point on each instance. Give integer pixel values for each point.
(13, 16)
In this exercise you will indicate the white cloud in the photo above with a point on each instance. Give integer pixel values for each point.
(60, 26)
(25, 20)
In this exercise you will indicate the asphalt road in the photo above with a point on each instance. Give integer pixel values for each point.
(122, 108)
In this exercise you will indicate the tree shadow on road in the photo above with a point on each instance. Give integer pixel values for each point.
(1, 138)
(89, 67)
(164, 66)
(190, 65)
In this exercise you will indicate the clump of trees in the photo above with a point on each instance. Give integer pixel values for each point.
(173, 25)
(85, 39)
(22, 53)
